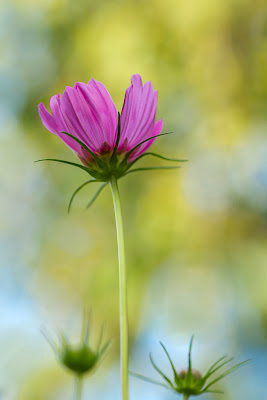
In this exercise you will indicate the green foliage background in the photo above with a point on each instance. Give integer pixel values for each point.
(195, 239)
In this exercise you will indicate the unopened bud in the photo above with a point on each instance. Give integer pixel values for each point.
(80, 358)
(189, 381)
(194, 372)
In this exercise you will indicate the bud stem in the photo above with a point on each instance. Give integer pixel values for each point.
(185, 396)
(78, 388)
(122, 288)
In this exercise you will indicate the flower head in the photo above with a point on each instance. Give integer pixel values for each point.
(189, 381)
(79, 359)
(87, 112)
(107, 143)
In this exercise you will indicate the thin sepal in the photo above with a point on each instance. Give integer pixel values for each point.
(139, 144)
(96, 195)
(50, 341)
(149, 153)
(113, 158)
(144, 378)
(214, 365)
(66, 162)
(213, 391)
(102, 333)
(225, 374)
(159, 371)
(148, 169)
(97, 159)
(77, 191)
(104, 349)
(87, 324)
(218, 367)
(176, 377)
(62, 338)
(189, 372)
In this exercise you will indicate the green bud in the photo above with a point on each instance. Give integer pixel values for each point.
(196, 375)
(189, 381)
(81, 358)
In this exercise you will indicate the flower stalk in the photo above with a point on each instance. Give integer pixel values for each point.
(78, 387)
(108, 143)
(124, 345)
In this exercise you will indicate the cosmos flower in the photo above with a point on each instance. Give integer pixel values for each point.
(87, 112)
(85, 118)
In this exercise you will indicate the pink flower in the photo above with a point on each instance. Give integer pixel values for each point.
(87, 112)
(107, 143)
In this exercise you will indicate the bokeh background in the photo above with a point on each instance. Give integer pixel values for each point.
(196, 238)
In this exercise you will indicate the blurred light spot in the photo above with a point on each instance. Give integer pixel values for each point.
(249, 172)
(205, 182)
(75, 241)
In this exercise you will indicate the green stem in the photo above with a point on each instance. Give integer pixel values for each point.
(78, 388)
(185, 396)
(123, 290)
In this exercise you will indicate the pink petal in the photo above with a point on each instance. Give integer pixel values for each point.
(141, 149)
(138, 112)
(61, 125)
(91, 112)
(55, 124)
(47, 119)
(106, 109)
(70, 110)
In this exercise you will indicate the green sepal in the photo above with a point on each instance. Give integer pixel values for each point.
(144, 378)
(224, 374)
(101, 163)
(124, 162)
(189, 372)
(159, 371)
(214, 365)
(149, 153)
(99, 176)
(96, 195)
(87, 324)
(148, 169)
(101, 336)
(77, 191)
(104, 349)
(218, 367)
(88, 170)
(214, 391)
(177, 380)
(50, 341)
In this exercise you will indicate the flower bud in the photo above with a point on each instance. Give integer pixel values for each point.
(189, 381)
(195, 374)
(81, 358)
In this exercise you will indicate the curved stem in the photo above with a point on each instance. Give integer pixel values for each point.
(123, 290)
(78, 388)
